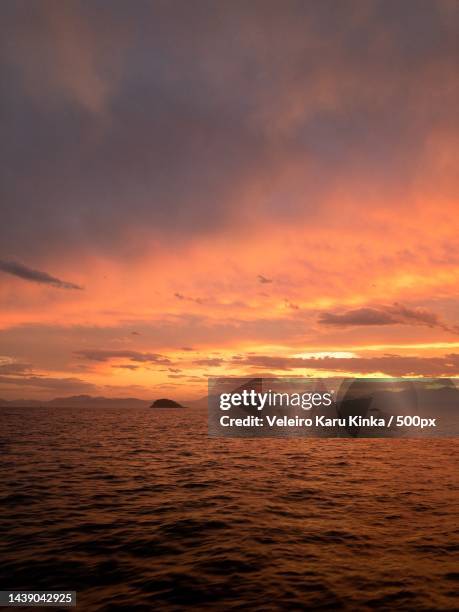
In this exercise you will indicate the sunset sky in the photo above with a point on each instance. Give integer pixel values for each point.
(226, 188)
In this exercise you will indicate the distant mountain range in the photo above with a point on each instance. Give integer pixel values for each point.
(76, 401)
(440, 397)
(82, 401)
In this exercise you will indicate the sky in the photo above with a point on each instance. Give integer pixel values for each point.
(193, 189)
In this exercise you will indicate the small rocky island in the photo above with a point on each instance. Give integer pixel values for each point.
(166, 403)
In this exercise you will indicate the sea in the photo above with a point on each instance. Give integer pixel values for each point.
(140, 510)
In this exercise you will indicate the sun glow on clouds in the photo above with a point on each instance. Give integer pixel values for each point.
(216, 305)
(285, 205)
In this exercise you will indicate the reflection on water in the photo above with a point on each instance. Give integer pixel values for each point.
(142, 511)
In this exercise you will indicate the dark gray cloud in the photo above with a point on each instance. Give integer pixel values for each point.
(36, 276)
(419, 316)
(358, 316)
(395, 314)
(107, 355)
(290, 304)
(263, 279)
(164, 116)
(187, 298)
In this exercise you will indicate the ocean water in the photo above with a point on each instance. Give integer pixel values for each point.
(140, 510)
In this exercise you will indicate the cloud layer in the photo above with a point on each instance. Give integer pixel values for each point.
(237, 185)
(107, 355)
(396, 314)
